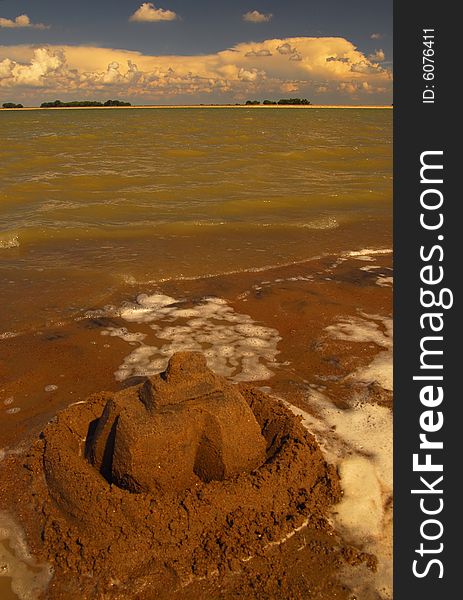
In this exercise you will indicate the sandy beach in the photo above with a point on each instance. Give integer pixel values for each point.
(264, 245)
(332, 316)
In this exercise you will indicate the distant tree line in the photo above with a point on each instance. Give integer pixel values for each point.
(11, 105)
(282, 101)
(59, 104)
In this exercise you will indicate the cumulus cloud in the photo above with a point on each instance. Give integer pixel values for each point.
(22, 21)
(286, 49)
(377, 56)
(341, 59)
(250, 75)
(254, 16)
(263, 52)
(44, 65)
(365, 67)
(357, 89)
(149, 13)
(376, 36)
(267, 69)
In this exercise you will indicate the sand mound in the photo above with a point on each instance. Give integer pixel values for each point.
(180, 429)
(181, 478)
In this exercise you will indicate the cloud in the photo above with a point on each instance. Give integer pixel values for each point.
(254, 16)
(341, 59)
(44, 64)
(356, 89)
(250, 75)
(286, 49)
(263, 52)
(365, 67)
(377, 56)
(148, 13)
(376, 36)
(22, 21)
(268, 69)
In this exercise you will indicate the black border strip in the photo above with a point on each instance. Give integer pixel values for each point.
(426, 127)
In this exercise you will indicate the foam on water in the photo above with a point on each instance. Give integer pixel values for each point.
(234, 345)
(29, 579)
(321, 223)
(368, 328)
(359, 441)
(381, 280)
(365, 255)
(366, 252)
(385, 281)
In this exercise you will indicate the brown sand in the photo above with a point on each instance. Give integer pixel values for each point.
(207, 538)
(301, 302)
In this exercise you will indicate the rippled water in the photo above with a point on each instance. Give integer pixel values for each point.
(95, 199)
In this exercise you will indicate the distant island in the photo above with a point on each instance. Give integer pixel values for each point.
(282, 101)
(86, 103)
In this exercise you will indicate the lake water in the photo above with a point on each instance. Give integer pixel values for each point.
(92, 201)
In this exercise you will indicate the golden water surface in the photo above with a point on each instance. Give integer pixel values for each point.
(92, 201)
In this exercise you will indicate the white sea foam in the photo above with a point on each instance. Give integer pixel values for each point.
(321, 223)
(359, 441)
(123, 333)
(366, 252)
(368, 328)
(385, 281)
(381, 280)
(29, 579)
(234, 344)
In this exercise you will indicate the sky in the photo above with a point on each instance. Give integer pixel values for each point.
(196, 51)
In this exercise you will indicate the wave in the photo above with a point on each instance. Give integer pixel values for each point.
(61, 230)
(131, 280)
(367, 252)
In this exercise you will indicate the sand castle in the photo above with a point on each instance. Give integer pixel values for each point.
(184, 426)
(173, 483)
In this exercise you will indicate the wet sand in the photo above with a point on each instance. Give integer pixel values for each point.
(330, 319)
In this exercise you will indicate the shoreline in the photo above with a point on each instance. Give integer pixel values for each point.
(279, 272)
(176, 106)
(321, 330)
